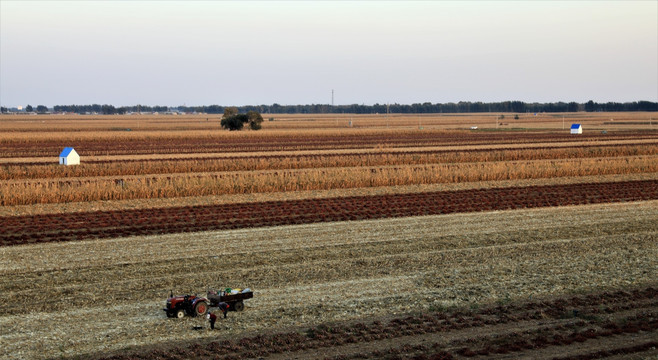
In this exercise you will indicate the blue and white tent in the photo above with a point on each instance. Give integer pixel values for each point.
(576, 129)
(69, 157)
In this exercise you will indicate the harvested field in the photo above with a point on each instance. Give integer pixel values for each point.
(591, 326)
(331, 272)
(119, 165)
(30, 140)
(337, 152)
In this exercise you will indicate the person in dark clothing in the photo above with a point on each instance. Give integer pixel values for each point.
(212, 317)
(223, 307)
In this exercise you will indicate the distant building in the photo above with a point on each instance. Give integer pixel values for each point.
(69, 157)
(576, 129)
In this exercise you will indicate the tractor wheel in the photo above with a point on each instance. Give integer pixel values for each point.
(180, 313)
(170, 314)
(201, 308)
(238, 306)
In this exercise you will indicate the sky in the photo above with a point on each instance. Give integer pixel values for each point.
(296, 52)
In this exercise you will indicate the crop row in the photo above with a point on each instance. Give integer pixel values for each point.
(110, 224)
(575, 320)
(115, 167)
(26, 192)
(112, 144)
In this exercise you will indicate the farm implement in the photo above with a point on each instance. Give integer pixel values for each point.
(193, 305)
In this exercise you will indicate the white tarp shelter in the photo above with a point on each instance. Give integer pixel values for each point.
(576, 129)
(69, 157)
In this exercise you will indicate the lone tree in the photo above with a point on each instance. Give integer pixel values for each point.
(255, 120)
(29, 108)
(234, 121)
(42, 109)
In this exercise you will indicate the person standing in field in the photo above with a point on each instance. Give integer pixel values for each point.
(223, 307)
(212, 318)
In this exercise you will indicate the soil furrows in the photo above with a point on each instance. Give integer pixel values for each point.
(156, 203)
(589, 220)
(79, 226)
(511, 329)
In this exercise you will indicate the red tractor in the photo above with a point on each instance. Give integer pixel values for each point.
(192, 305)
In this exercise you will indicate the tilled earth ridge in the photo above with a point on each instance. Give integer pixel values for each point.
(96, 225)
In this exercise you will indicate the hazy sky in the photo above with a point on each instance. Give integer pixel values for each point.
(238, 53)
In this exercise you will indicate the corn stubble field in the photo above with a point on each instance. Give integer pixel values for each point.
(400, 237)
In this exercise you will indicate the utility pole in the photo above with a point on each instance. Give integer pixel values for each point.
(387, 114)
(332, 97)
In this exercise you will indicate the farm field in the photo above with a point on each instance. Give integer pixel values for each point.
(401, 237)
(101, 295)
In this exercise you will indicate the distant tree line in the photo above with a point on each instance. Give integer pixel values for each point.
(427, 107)
(417, 108)
(108, 109)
